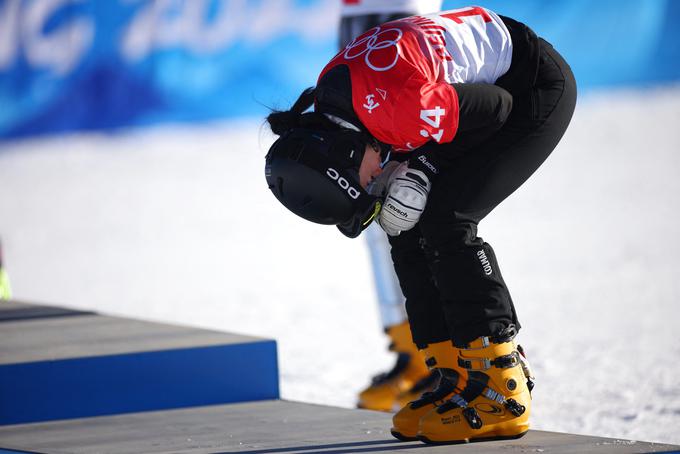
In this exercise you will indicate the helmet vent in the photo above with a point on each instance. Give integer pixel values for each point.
(279, 184)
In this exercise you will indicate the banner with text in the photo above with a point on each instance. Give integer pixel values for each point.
(84, 64)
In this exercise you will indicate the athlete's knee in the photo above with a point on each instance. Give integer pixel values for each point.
(407, 248)
(449, 237)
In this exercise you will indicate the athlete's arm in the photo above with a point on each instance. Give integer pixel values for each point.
(482, 110)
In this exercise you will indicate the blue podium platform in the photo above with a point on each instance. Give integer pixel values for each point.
(77, 382)
(59, 364)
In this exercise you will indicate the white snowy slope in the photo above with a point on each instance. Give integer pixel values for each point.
(176, 224)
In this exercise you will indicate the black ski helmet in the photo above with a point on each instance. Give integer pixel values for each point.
(315, 174)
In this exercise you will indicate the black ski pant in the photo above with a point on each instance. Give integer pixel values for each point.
(450, 276)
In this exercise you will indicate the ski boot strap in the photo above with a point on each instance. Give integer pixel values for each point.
(506, 335)
(482, 364)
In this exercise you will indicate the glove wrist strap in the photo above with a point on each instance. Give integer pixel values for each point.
(426, 163)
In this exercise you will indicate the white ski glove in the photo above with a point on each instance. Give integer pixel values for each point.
(405, 191)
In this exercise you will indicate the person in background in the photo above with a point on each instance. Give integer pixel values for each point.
(5, 289)
(409, 377)
(425, 125)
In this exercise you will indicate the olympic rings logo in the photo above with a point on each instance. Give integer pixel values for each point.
(368, 46)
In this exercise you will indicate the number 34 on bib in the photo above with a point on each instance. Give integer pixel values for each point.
(432, 117)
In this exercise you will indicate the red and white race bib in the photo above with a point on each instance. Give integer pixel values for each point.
(401, 72)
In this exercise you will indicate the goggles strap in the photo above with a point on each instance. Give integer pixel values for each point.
(342, 123)
(345, 180)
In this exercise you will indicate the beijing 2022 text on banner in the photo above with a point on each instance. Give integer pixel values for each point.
(85, 64)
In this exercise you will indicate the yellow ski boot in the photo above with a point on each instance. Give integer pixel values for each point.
(441, 358)
(410, 368)
(494, 404)
(425, 384)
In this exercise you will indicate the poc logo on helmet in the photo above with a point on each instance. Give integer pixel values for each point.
(342, 182)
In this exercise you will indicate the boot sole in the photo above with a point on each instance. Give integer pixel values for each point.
(426, 440)
(402, 437)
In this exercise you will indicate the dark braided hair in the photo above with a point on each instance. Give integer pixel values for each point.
(282, 121)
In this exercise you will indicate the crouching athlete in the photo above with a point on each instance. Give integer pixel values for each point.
(425, 125)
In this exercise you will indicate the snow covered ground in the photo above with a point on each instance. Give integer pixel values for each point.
(176, 224)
